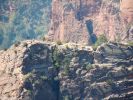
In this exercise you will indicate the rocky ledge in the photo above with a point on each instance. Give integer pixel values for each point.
(34, 70)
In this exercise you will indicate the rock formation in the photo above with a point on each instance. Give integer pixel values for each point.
(80, 21)
(34, 70)
(38, 70)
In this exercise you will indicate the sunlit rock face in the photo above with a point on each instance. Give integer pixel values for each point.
(127, 10)
(79, 21)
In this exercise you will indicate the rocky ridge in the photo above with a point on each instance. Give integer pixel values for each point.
(34, 70)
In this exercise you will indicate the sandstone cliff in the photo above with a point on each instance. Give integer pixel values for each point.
(80, 21)
(34, 70)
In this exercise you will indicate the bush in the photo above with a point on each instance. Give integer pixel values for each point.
(67, 47)
(5, 49)
(25, 44)
(100, 40)
(89, 66)
(56, 58)
(44, 77)
(15, 51)
(17, 44)
(66, 70)
(44, 38)
(59, 42)
(66, 98)
(110, 82)
(130, 43)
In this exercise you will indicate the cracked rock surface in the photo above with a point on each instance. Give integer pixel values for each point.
(34, 70)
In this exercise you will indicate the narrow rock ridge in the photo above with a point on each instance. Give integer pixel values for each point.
(34, 70)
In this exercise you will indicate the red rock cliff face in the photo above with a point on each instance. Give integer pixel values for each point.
(80, 20)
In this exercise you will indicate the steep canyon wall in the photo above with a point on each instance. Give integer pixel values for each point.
(80, 21)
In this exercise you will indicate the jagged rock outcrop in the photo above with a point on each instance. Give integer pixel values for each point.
(80, 21)
(34, 70)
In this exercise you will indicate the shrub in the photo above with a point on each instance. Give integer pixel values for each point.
(66, 98)
(56, 58)
(56, 78)
(100, 40)
(60, 60)
(66, 63)
(44, 77)
(25, 44)
(130, 43)
(110, 81)
(59, 42)
(89, 66)
(17, 44)
(5, 49)
(67, 47)
(66, 70)
(15, 51)
(44, 38)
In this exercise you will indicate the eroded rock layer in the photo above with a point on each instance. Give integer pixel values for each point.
(80, 21)
(34, 70)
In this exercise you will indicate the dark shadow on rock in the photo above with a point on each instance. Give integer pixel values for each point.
(38, 68)
(36, 55)
(89, 25)
(1, 39)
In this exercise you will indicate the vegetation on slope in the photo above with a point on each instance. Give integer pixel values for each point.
(23, 19)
